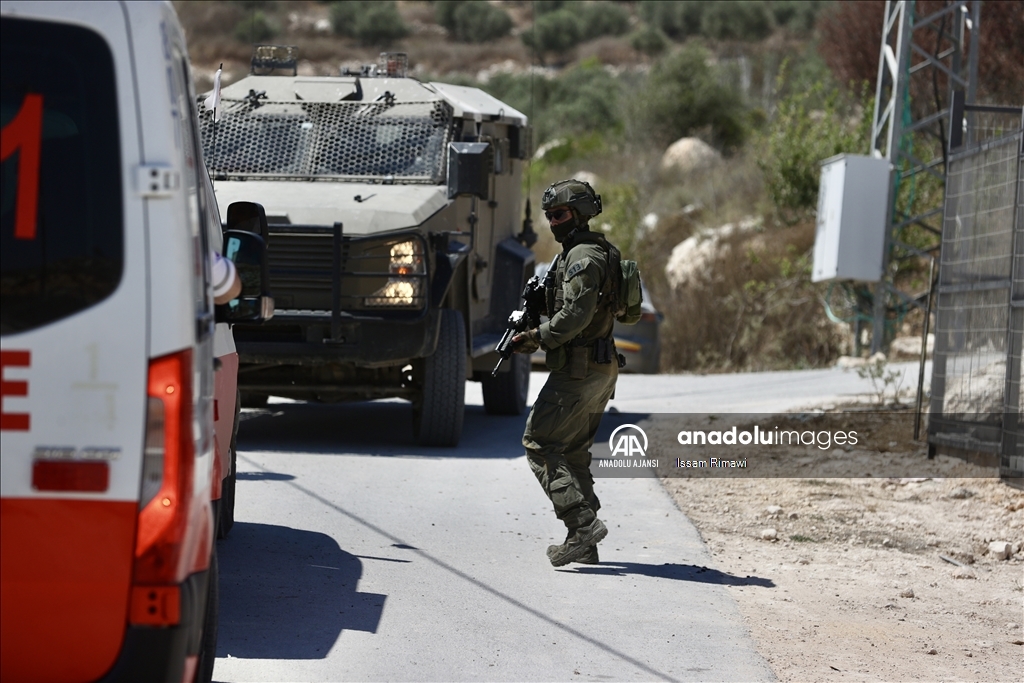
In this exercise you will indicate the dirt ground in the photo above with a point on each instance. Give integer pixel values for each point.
(861, 590)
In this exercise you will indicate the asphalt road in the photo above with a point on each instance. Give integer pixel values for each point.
(357, 555)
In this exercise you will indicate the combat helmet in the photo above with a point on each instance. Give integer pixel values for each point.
(576, 194)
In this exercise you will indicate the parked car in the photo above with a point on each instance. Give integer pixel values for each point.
(640, 344)
(108, 404)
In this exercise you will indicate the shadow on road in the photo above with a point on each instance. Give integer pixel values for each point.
(679, 572)
(384, 429)
(288, 594)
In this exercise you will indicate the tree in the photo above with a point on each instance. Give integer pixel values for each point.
(684, 94)
(480, 22)
(371, 23)
(851, 36)
(558, 32)
(747, 20)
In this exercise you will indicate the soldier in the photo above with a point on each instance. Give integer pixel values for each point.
(584, 366)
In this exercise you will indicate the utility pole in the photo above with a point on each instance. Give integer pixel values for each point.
(941, 47)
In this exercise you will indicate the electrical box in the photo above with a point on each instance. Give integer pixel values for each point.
(853, 198)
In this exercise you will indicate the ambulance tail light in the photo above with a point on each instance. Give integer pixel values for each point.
(167, 473)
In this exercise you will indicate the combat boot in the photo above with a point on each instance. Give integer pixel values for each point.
(577, 543)
(589, 557)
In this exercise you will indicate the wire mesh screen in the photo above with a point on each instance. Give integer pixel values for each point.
(376, 141)
(981, 126)
(1012, 460)
(977, 355)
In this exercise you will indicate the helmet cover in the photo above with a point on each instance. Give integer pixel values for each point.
(576, 194)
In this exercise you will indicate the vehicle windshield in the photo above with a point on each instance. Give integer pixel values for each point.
(376, 141)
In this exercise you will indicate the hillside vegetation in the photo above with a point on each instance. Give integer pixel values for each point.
(771, 87)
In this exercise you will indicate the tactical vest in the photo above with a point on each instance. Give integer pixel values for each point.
(601, 324)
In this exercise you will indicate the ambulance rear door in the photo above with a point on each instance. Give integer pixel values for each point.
(73, 338)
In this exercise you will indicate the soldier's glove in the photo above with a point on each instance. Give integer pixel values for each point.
(526, 342)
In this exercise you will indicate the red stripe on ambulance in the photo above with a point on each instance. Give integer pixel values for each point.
(14, 422)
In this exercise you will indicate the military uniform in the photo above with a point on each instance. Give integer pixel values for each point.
(563, 422)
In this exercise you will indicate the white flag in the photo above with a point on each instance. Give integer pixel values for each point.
(213, 101)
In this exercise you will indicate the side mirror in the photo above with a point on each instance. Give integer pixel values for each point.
(248, 252)
(469, 167)
(248, 216)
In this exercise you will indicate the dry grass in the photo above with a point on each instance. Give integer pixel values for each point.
(753, 308)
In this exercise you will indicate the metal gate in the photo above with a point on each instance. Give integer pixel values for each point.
(979, 318)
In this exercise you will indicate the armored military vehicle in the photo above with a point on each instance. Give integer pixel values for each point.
(393, 236)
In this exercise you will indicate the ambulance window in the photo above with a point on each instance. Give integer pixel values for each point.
(61, 223)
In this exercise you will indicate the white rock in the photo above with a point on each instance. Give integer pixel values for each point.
(793, 515)
(696, 254)
(964, 573)
(979, 391)
(769, 534)
(772, 510)
(1012, 626)
(689, 154)
(907, 593)
(1015, 548)
(543, 150)
(1000, 550)
(910, 347)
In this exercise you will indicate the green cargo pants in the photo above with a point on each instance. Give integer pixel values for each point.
(559, 433)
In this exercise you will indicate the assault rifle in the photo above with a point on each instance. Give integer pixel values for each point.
(522, 319)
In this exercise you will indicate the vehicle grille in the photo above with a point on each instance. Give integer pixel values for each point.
(301, 264)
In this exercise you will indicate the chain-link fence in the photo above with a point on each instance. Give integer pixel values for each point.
(976, 401)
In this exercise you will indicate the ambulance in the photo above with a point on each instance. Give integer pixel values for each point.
(110, 400)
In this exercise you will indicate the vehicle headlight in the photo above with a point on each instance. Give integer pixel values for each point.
(405, 285)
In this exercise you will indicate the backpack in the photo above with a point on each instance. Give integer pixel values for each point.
(622, 290)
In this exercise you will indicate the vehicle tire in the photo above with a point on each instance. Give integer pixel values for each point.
(438, 410)
(208, 647)
(249, 400)
(227, 489)
(505, 393)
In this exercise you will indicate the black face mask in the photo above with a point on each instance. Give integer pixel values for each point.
(564, 230)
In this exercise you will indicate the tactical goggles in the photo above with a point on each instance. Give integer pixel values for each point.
(557, 214)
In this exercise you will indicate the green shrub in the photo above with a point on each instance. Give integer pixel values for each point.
(480, 22)
(649, 40)
(677, 19)
(444, 12)
(343, 17)
(558, 32)
(684, 94)
(542, 7)
(742, 20)
(380, 24)
(583, 100)
(809, 125)
(371, 23)
(797, 16)
(256, 28)
(603, 18)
